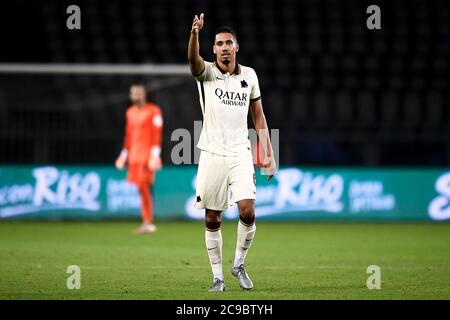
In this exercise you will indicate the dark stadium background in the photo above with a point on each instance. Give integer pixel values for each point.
(339, 93)
(364, 130)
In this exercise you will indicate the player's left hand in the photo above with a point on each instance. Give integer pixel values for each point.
(269, 166)
(154, 163)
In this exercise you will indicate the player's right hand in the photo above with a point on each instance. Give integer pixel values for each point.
(120, 163)
(197, 24)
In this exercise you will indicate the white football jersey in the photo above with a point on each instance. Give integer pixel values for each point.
(225, 100)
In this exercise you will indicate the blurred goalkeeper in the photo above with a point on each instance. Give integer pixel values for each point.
(141, 150)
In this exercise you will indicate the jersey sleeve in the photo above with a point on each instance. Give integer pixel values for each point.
(255, 94)
(206, 73)
(128, 133)
(156, 129)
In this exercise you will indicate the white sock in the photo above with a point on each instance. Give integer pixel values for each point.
(213, 240)
(245, 237)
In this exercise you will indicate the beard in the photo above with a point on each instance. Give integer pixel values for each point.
(138, 101)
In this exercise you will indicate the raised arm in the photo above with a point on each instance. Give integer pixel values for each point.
(196, 63)
(262, 131)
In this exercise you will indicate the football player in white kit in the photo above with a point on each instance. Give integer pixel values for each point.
(227, 91)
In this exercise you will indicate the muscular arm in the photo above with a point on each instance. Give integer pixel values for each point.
(196, 63)
(262, 130)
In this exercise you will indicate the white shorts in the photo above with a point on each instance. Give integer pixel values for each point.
(217, 173)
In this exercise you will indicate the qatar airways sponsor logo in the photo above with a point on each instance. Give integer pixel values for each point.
(53, 189)
(295, 191)
(231, 98)
(439, 207)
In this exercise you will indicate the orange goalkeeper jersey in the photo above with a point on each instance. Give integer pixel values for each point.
(143, 132)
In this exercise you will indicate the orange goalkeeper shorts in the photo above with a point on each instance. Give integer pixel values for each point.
(140, 173)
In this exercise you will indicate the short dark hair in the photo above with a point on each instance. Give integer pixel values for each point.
(139, 84)
(226, 29)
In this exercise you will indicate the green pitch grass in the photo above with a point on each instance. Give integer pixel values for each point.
(286, 261)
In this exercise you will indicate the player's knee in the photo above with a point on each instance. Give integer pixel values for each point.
(143, 188)
(247, 219)
(213, 219)
(247, 213)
